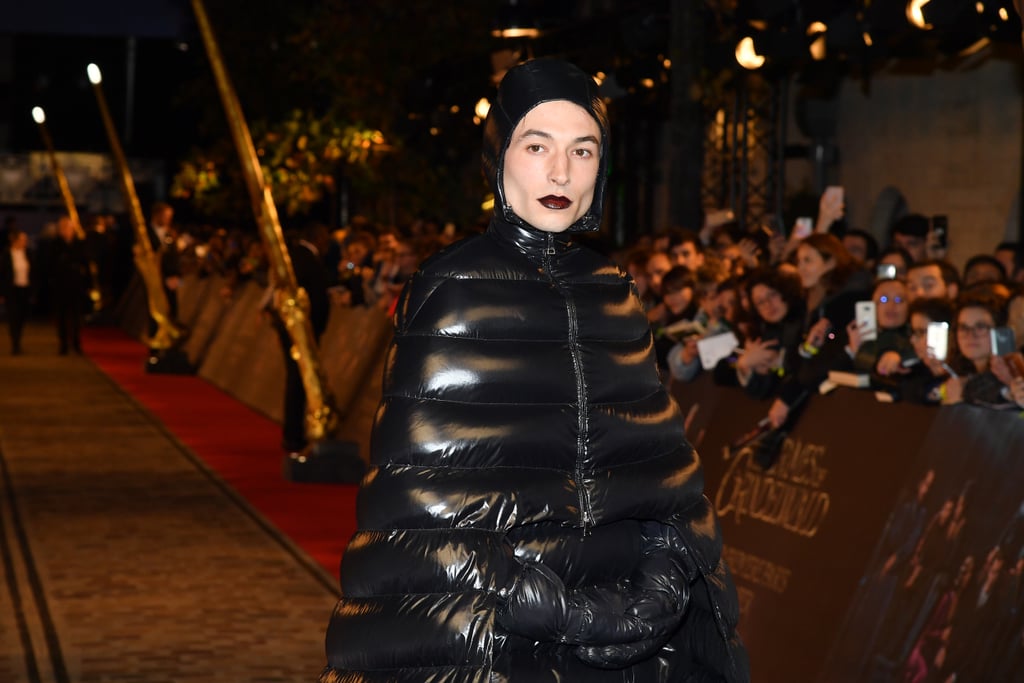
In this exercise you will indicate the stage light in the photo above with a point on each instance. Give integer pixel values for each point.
(747, 56)
(483, 105)
(816, 31)
(38, 115)
(1003, 14)
(514, 21)
(95, 77)
(915, 15)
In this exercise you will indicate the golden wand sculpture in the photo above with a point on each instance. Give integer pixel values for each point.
(39, 115)
(290, 301)
(168, 332)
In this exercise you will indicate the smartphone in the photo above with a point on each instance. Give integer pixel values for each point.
(804, 226)
(1003, 341)
(937, 339)
(864, 312)
(886, 271)
(940, 227)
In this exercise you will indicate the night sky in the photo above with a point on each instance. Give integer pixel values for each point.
(45, 47)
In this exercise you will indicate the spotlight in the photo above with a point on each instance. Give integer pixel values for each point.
(747, 56)
(514, 21)
(914, 14)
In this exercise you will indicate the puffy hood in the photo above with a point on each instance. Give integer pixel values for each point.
(523, 88)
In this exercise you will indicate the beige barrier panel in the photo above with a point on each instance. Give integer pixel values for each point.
(192, 293)
(206, 326)
(230, 353)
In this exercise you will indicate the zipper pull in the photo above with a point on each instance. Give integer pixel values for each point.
(550, 249)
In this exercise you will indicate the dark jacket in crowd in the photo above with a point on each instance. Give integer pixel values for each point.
(312, 275)
(68, 270)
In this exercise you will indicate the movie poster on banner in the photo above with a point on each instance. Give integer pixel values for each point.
(943, 596)
(799, 535)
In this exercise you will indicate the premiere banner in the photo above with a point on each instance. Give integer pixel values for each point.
(799, 535)
(942, 598)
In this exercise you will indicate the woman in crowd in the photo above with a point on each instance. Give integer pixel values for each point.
(919, 379)
(981, 378)
(769, 354)
(891, 345)
(832, 284)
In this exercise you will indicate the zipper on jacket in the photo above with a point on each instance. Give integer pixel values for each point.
(586, 513)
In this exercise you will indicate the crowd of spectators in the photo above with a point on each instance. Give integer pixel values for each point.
(771, 313)
(776, 314)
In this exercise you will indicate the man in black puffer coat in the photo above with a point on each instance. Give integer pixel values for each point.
(533, 511)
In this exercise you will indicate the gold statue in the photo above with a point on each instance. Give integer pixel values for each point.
(290, 301)
(168, 331)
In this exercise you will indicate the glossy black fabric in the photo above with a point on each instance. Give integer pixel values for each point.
(523, 427)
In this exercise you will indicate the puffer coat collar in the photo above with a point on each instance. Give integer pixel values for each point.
(533, 243)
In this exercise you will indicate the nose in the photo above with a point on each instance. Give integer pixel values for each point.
(559, 171)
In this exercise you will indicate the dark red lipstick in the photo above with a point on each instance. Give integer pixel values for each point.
(553, 202)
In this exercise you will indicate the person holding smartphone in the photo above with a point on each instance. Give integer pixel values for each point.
(891, 345)
(982, 378)
(918, 378)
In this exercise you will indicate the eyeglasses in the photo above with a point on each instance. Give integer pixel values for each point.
(894, 299)
(974, 330)
(770, 295)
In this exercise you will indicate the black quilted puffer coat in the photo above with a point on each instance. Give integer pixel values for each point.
(533, 511)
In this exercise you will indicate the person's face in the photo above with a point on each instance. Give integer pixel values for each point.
(982, 272)
(895, 260)
(915, 246)
(551, 165)
(406, 257)
(768, 303)
(678, 301)
(387, 242)
(926, 282)
(811, 265)
(686, 254)
(919, 334)
(891, 304)
(66, 229)
(857, 247)
(164, 217)
(356, 252)
(657, 265)
(1006, 257)
(972, 334)
(728, 304)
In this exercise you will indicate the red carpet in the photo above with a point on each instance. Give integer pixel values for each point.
(239, 444)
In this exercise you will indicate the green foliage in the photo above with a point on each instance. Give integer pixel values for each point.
(378, 93)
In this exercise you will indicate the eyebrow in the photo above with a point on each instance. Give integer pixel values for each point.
(532, 132)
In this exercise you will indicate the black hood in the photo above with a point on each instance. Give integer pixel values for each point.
(523, 88)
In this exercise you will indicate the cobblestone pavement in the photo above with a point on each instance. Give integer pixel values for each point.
(122, 560)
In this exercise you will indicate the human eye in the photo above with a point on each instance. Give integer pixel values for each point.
(534, 147)
(584, 153)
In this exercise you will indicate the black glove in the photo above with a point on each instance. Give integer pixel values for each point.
(538, 606)
(658, 594)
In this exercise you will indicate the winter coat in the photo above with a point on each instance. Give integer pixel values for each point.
(533, 511)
